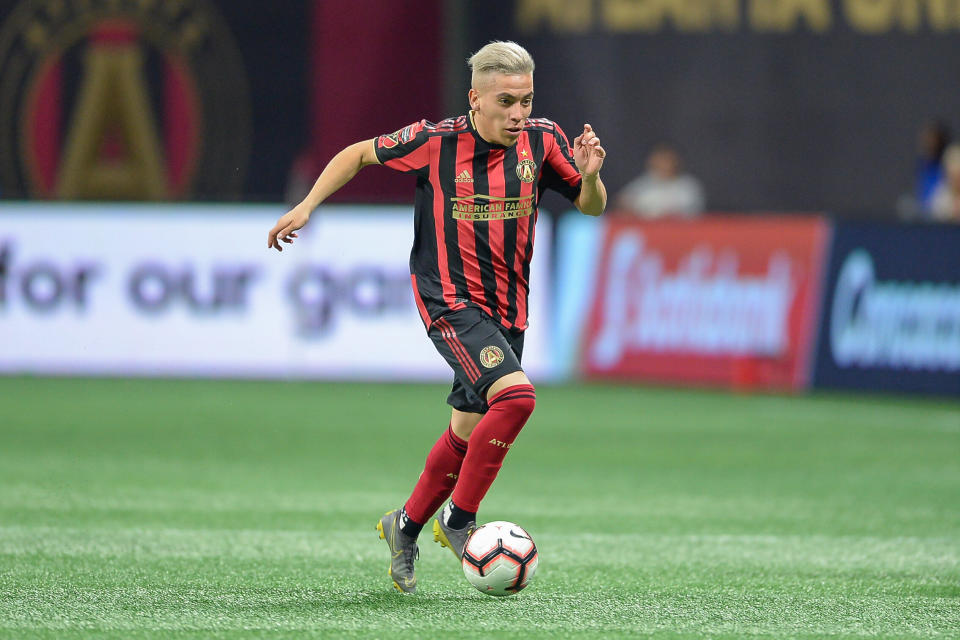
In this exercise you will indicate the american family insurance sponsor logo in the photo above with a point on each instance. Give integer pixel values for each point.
(719, 301)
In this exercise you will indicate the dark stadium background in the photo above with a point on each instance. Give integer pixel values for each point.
(771, 113)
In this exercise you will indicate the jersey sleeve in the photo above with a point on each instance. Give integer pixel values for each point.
(560, 172)
(406, 149)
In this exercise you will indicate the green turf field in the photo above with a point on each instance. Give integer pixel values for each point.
(168, 509)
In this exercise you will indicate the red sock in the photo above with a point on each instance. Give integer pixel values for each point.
(438, 478)
(489, 443)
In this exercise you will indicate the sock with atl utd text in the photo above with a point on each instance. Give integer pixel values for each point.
(489, 442)
(436, 482)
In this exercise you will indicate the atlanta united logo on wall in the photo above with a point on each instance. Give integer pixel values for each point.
(491, 356)
(121, 99)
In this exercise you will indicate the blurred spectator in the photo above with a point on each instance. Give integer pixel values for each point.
(945, 201)
(932, 139)
(662, 190)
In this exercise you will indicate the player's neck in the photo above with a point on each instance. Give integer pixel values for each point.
(478, 123)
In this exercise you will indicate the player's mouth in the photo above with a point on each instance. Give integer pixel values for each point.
(514, 131)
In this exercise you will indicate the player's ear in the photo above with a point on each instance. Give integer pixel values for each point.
(473, 97)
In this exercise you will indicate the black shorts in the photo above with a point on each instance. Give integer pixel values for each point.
(479, 350)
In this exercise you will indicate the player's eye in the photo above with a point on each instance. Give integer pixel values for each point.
(527, 102)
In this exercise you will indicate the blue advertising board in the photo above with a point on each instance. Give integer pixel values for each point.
(891, 312)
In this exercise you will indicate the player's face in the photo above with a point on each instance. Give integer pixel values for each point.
(502, 104)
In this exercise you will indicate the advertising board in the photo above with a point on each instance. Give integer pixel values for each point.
(192, 290)
(721, 301)
(891, 320)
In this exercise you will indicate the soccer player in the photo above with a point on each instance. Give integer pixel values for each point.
(479, 179)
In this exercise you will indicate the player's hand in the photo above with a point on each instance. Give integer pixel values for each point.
(289, 222)
(587, 152)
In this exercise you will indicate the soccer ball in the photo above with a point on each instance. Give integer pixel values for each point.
(499, 558)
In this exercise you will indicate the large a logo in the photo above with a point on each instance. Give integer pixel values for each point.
(121, 99)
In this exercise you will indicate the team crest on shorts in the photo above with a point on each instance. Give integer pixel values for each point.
(491, 356)
(527, 170)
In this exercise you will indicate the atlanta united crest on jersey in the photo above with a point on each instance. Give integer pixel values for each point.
(476, 211)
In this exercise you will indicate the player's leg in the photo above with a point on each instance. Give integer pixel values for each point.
(440, 472)
(463, 423)
(400, 528)
(510, 399)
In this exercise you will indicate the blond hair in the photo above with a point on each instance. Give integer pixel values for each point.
(507, 58)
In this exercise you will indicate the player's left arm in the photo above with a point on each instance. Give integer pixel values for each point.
(589, 155)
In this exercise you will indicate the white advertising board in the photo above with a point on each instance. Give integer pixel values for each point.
(192, 290)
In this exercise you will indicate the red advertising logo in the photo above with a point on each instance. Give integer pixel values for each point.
(726, 301)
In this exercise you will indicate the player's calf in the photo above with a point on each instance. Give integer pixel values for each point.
(490, 441)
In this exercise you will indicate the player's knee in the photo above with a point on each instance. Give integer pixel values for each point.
(519, 400)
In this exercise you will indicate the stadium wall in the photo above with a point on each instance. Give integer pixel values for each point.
(782, 303)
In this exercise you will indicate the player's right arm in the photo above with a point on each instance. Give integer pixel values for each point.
(338, 172)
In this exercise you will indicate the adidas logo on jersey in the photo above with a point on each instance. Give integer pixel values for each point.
(464, 177)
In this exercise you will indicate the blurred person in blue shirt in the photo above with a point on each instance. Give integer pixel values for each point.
(934, 138)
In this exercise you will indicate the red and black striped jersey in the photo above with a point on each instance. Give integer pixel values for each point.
(476, 211)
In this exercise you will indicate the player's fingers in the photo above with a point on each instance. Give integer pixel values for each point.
(272, 237)
(281, 236)
(587, 127)
(600, 151)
